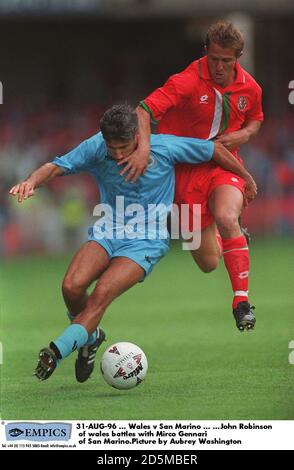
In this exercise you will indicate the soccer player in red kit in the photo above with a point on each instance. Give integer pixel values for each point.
(213, 98)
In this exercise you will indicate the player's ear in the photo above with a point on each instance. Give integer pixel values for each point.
(205, 49)
(240, 54)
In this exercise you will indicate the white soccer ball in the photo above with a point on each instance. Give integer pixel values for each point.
(124, 365)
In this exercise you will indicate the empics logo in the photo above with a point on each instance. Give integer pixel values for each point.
(38, 431)
(15, 432)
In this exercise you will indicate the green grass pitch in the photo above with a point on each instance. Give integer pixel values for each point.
(200, 365)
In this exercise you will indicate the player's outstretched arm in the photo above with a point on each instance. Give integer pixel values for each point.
(39, 177)
(227, 161)
(137, 162)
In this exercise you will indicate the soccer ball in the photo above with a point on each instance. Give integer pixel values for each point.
(124, 365)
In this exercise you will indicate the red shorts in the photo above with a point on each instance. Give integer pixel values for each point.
(195, 184)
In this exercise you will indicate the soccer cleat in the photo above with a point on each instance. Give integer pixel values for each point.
(245, 319)
(86, 357)
(46, 364)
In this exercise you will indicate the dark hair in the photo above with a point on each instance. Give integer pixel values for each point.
(225, 35)
(120, 122)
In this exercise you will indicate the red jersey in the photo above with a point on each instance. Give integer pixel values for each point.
(190, 104)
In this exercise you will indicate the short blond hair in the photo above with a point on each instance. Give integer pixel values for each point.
(224, 34)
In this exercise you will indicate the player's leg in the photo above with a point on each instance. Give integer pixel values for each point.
(84, 364)
(121, 274)
(136, 259)
(208, 255)
(86, 266)
(192, 187)
(226, 203)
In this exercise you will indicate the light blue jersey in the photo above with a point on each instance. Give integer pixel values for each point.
(155, 187)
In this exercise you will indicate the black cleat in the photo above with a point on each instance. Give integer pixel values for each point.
(245, 319)
(47, 363)
(86, 357)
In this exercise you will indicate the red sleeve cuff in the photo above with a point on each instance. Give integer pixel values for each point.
(148, 110)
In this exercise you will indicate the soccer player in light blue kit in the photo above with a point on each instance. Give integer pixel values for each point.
(118, 262)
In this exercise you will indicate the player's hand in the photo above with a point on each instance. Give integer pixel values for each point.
(250, 191)
(136, 164)
(24, 190)
(233, 140)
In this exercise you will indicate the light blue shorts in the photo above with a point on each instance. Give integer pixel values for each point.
(146, 253)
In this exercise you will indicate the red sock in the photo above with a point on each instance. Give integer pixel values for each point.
(236, 258)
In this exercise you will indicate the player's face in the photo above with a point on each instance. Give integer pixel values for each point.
(221, 64)
(120, 149)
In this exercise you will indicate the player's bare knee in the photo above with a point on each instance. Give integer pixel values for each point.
(226, 220)
(71, 288)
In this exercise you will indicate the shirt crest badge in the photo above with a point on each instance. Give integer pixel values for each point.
(242, 103)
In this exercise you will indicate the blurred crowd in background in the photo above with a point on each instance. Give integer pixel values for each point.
(38, 127)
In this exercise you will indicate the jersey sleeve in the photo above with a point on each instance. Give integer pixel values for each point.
(84, 157)
(173, 93)
(187, 149)
(255, 113)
